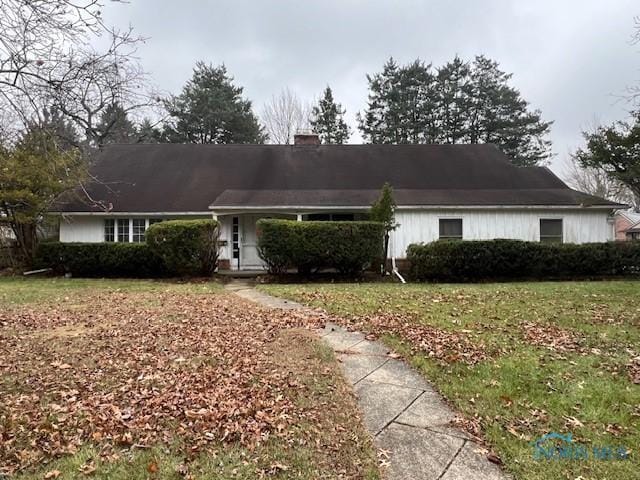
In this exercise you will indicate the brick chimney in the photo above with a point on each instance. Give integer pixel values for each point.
(306, 139)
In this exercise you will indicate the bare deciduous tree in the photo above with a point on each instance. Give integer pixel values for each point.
(634, 91)
(46, 60)
(58, 56)
(284, 115)
(597, 182)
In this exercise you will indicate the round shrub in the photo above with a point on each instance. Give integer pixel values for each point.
(187, 247)
(348, 247)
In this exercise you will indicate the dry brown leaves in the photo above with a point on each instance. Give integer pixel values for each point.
(134, 369)
(633, 369)
(442, 345)
(471, 425)
(552, 337)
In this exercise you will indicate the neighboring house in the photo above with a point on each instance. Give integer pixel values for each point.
(7, 245)
(634, 232)
(627, 225)
(442, 191)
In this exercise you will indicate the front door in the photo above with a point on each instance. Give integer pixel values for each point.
(249, 258)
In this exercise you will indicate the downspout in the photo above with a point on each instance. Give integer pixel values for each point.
(394, 268)
(395, 271)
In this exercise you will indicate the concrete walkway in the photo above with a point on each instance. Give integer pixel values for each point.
(406, 416)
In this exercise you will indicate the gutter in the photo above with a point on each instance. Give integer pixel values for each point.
(129, 213)
(319, 208)
(241, 208)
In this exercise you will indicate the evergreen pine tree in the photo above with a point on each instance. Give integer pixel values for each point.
(211, 109)
(401, 105)
(327, 120)
(378, 124)
(115, 127)
(413, 102)
(383, 210)
(498, 114)
(148, 133)
(453, 100)
(463, 103)
(62, 130)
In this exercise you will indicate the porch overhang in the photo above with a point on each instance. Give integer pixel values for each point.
(352, 199)
(293, 209)
(282, 210)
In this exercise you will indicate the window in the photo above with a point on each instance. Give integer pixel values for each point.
(551, 230)
(236, 234)
(155, 220)
(342, 217)
(123, 229)
(451, 228)
(109, 230)
(138, 226)
(335, 217)
(319, 217)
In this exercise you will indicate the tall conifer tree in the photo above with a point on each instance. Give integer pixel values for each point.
(327, 120)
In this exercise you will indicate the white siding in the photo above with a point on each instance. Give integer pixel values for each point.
(579, 226)
(225, 234)
(90, 228)
(82, 229)
(416, 226)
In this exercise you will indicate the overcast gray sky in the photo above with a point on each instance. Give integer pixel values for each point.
(572, 59)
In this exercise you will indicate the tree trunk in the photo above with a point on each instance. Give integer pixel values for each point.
(26, 236)
(386, 253)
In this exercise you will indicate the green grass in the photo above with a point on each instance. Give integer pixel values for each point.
(523, 390)
(226, 462)
(22, 291)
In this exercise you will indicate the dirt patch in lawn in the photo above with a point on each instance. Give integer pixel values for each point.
(115, 373)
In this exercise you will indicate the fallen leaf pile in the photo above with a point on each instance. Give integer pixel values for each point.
(634, 370)
(442, 345)
(134, 369)
(552, 337)
(471, 425)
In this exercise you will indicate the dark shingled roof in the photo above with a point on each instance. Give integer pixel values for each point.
(192, 178)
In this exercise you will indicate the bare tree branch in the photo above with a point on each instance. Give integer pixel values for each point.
(46, 60)
(48, 63)
(284, 115)
(598, 182)
(634, 91)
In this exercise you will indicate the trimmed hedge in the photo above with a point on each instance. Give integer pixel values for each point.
(100, 259)
(349, 247)
(187, 247)
(460, 260)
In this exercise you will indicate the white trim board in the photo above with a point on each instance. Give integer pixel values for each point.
(122, 214)
(293, 209)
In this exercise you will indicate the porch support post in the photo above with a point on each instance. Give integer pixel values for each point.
(214, 215)
(299, 217)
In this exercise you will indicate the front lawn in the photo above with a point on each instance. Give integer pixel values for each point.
(518, 361)
(141, 379)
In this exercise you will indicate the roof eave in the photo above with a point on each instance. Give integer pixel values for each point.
(214, 207)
